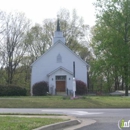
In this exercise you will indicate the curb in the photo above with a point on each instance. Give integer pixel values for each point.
(84, 123)
(57, 126)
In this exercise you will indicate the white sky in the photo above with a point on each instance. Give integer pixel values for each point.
(38, 10)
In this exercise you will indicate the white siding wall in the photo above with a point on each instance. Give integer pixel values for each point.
(48, 62)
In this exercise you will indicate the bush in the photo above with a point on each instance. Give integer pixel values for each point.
(12, 90)
(81, 87)
(40, 88)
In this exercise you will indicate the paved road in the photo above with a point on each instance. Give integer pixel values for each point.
(106, 119)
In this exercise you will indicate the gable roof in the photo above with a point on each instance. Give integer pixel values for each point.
(62, 68)
(59, 42)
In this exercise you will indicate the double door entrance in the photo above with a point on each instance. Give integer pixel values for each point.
(60, 83)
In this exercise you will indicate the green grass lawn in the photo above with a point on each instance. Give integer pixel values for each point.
(24, 123)
(60, 102)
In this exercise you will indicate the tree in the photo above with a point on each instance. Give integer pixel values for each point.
(74, 30)
(2, 29)
(2, 17)
(111, 39)
(12, 46)
(39, 39)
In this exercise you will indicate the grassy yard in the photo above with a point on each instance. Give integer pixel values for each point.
(63, 102)
(24, 123)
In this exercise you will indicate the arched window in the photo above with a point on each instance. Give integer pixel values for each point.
(59, 58)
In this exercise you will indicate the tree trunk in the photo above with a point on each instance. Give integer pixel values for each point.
(126, 80)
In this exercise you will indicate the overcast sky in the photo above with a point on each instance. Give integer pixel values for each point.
(38, 10)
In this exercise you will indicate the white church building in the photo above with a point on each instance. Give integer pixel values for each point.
(56, 66)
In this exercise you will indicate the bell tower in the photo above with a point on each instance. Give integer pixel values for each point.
(58, 35)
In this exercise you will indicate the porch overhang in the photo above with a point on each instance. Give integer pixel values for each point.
(59, 68)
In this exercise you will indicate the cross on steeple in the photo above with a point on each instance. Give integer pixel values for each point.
(58, 23)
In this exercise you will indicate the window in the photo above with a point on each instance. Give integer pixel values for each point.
(59, 58)
(60, 78)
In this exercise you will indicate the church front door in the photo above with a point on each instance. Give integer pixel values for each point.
(60, 83)
(60, 86)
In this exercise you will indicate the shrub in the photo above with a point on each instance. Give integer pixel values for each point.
(40, 88)
(81, 87)
(12, 90)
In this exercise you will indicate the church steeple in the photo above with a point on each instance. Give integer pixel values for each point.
(58, 24)
(58, 35)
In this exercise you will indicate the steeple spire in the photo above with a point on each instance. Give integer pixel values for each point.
(58, 23)
(58, 34)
